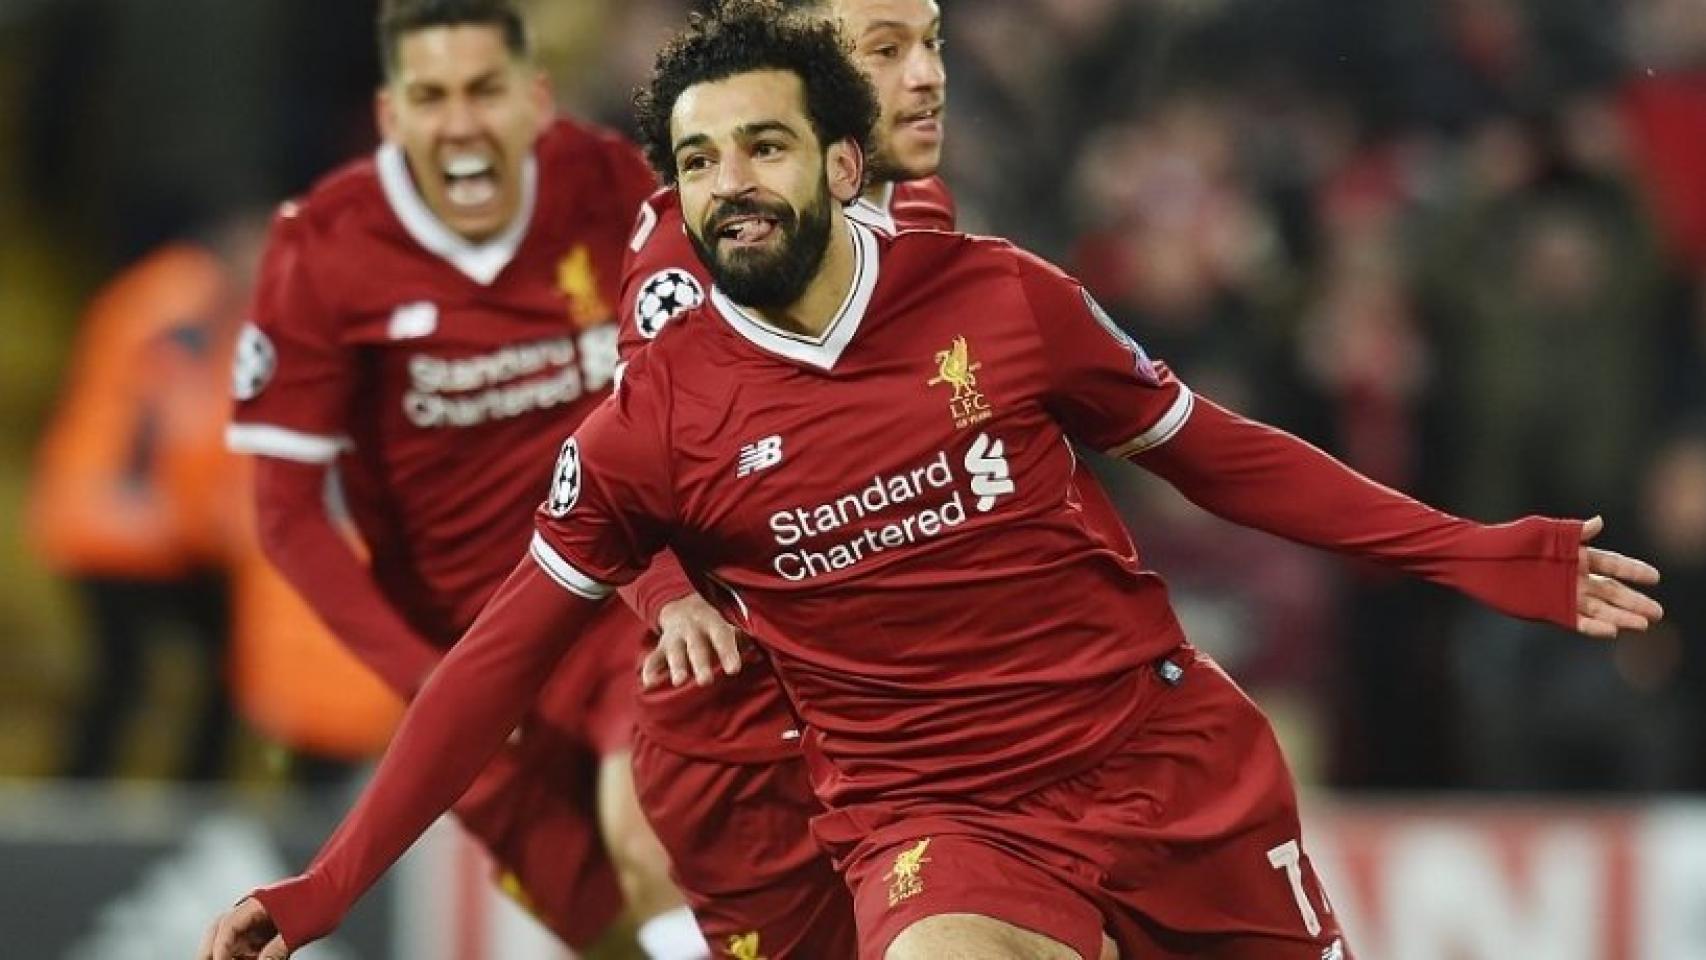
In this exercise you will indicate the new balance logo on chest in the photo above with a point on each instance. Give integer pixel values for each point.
(759, 455)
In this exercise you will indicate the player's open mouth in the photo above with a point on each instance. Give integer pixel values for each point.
(470, 181)
(746, 231)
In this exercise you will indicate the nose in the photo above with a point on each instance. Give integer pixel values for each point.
(461, 120)
(924, 69)
(734, 175)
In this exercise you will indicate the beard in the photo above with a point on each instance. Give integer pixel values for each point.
(768, 279)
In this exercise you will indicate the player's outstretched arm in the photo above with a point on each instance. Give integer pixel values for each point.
(461, 718)
(1535, 568)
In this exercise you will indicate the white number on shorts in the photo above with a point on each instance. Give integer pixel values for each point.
(1289, 856)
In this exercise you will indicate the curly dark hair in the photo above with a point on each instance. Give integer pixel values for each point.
(399, 18)
(743, 36)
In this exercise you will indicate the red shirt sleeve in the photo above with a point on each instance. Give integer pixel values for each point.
(300, 539)
(661, 274)
(1260, 477)
(454, 728)
(611, 499)
(291, 376)
(1101, 386)
(661, 279)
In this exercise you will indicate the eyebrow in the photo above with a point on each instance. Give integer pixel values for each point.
(745, 131)
(877, 25)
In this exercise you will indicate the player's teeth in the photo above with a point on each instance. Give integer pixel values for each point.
(466, 166)
(472, 192)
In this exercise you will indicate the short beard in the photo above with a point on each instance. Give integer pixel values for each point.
(766, 280)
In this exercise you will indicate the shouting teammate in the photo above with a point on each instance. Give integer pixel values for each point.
(862, 441)
(706, 757)
(430, 321)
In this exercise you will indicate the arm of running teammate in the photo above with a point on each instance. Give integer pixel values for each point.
(301, 540)
(659, 282)
(293, 377)
(1109, 394)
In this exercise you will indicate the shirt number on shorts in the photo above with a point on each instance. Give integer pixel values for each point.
(1288, 856)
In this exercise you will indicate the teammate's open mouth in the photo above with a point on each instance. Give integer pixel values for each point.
(746, 231)
(470, 180)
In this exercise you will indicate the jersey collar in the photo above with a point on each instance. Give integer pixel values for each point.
(824, 350)
(480, 262)
(876, 215)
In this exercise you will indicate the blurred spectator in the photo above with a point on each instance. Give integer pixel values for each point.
(128, 497)
(136, 500)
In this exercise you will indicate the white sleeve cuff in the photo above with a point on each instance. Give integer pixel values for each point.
(1162, 430)
(564, 573)
(269, 441)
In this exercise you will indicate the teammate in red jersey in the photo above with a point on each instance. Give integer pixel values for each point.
(430, 321)
(862, 440)
(709, 757)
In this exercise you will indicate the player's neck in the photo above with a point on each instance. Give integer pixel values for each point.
(811, 314)
(879, 194)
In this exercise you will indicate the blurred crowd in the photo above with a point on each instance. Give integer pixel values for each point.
(1459, 243)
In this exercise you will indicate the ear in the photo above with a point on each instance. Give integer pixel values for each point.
(544, 98)
(385, 113)
(844, 166)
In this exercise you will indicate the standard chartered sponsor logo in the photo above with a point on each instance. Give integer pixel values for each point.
(468, 391)
(931, 493)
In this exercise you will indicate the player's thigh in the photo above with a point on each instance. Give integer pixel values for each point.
(967, 936)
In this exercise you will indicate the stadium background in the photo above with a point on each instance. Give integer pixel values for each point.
(1459, 243)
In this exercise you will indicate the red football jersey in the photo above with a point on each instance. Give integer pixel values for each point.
(744, 718)
(894, 511)
(436, 373)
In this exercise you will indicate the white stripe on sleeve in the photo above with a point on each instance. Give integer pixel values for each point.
(1163, 429)
(269, 441)
(564, 573)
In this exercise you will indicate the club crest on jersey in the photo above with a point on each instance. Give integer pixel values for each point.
(744, 946)
(1144, 368)
(253, 363)
(955, 367)
(578, 281)
(906, 875)
(565, 481)
(664, 296)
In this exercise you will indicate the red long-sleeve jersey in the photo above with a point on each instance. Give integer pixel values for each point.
(893, 510)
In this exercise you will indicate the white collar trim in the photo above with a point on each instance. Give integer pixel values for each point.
(481, 262)
(877, 214)
(824, 350)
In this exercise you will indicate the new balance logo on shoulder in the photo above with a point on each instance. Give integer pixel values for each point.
(759, 455)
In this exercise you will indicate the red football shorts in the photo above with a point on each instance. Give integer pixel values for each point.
(535, 808)
(1184, 843)
(741, 850)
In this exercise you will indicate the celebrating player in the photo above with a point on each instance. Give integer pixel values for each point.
(431, 321)
(862, 441)
(729, 753)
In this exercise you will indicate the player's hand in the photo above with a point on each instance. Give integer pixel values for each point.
(692, 638)
(1605, 603)
(244, 932)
